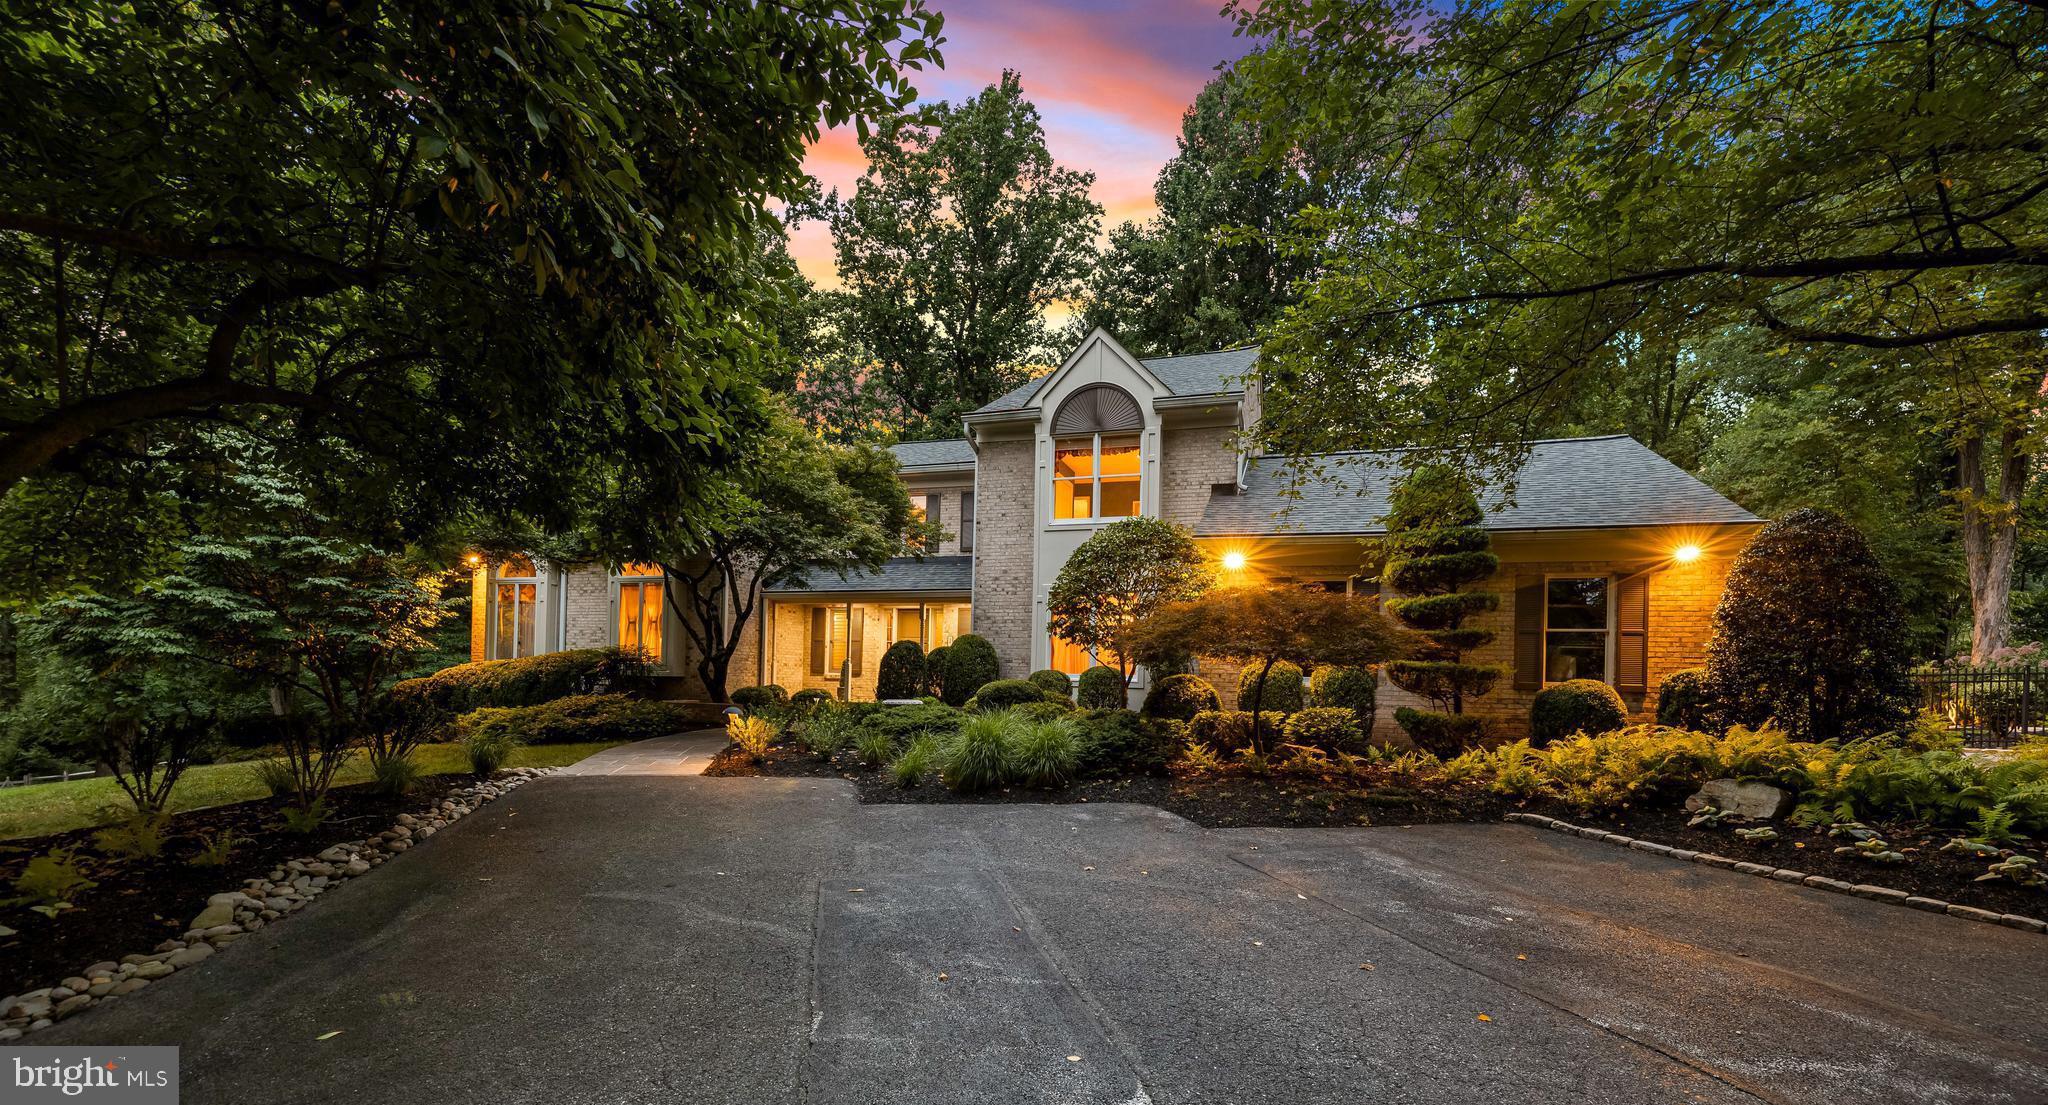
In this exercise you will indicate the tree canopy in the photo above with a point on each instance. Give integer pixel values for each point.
(1123, 573)
(962, 233)
(448, 254)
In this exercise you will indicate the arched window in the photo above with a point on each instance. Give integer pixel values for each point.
(1095, 470)
(517, 597)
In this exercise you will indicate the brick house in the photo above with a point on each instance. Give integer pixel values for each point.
(1612, 558)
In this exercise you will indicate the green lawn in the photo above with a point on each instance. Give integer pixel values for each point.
(56, 807)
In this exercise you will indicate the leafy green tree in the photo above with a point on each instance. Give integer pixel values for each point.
(951, 248)
(1435, 546)
(1808, 634)
(1206, 272)
(1859, 175)
(801, 505)
(1124, 573)
(454, 255)
(1267, 626)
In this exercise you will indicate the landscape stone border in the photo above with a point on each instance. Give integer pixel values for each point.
(234, 914)
(1786, 874)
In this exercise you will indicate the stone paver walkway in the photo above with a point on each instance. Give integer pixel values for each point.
(676, 754)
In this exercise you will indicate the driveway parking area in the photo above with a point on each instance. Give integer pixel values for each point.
(621, 939)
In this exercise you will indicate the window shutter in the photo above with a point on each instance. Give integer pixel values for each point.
(856, 635)
(1529, 633)
(967, 521)
(931, 507)
(1632, 621)
(818, 640)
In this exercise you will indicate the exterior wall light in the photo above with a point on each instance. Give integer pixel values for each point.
(1686, 554)
(1233, 561)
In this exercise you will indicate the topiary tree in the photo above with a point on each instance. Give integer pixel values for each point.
(902, 674)
(1435, 545)
(1181, 697)
(1809, 633)
(1119, 576)
(970, 662)
(1102, 688)
(1575, 706)
(1354, 689)
(1270, 626)
(1053, 683)
(1278, 689)
(1684, 700)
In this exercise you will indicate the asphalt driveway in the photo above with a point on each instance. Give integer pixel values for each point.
(648, 939)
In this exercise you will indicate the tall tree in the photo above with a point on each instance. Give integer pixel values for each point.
(1124, 573)
(1436, 545)
(953, 245)
(801, 505)
(459, 252)
(1866, 174)
(1207, 271)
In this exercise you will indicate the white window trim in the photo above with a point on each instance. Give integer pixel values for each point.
(616, 581)
(538, 580)
(1095, 517)
(1612, 630)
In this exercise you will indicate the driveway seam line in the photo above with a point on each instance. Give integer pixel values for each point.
(1541, 997)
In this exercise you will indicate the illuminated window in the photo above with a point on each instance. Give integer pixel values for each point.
(515, 597)
(1575, 629)
(1072, 659)
(640, 609)
(910, 624)
(1095, 477)
(836, 640)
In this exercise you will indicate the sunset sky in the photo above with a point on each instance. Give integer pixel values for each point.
(1110, 78)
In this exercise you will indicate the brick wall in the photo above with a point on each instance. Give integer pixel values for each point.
(587, 603)
(479, 612)
(1005, 511)
(1190, 461)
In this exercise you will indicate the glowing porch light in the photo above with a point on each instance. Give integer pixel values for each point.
(1686, 554)
(1233, 561)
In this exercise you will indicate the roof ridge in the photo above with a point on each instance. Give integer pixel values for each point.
(1417, 448)
(1204, 353)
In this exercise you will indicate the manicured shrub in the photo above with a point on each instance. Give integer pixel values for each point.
(902, 673)
(765, 696)
(1005, 693)
(1044, 754)
(1221, 730)
(1809, 633)
(1439, 734)
(808, 700)
(1326, 728)
(935, 671)
(904, 724)
(978, 759)
(579, 718)
(527, 681)
(970, 663)
(1181, 697)
(1436, 546)
(1120, 742)
(1575, 706)
(1101, 688)
(1354, 689)
(1685, 701)
(1053, 683)
(1044, 711)
(1282, 688)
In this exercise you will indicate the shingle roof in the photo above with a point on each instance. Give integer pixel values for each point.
(904, 573)
(1573, 483)
(934, 454)
(1217, 373)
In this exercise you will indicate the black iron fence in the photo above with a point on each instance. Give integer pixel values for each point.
(1991, 708)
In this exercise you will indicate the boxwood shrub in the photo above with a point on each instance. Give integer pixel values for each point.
(1121, 742)
(527, 681)
(902, 674)
(1354, 689)
(1329, 728)
(970, 662)
(1575, 706)
(1685, 700)
(575, 719)
(1181, 697)
(1283, 688)
(1005, 693)
(758, 697)
(935, 671)
(1101, 688)
(1053, 683)
(1225, 730)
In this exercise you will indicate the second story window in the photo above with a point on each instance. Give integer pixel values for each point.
(1095, 477)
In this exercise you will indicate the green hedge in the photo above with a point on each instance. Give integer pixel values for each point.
(574, 720)
(1005, 693)
(970, 663)
(527, 681)
(902, 674)
(1053, 683)
(1283, 688)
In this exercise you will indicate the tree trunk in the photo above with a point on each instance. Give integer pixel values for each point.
(1258, 701)
(1991, 535)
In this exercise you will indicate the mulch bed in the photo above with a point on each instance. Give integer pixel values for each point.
(1927, 871)
(1213, 801)
(141, 902)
